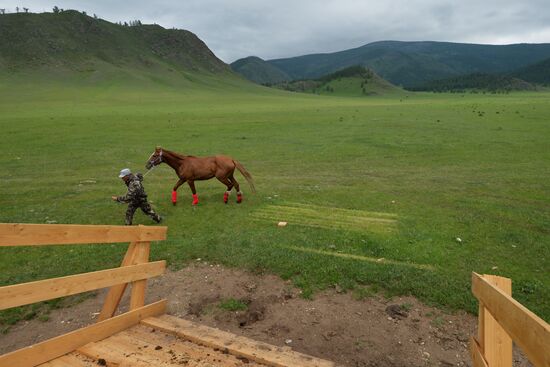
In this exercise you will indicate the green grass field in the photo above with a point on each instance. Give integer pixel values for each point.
(375, 189)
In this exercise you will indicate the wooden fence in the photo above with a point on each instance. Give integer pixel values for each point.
(503, 320)
(135, 270)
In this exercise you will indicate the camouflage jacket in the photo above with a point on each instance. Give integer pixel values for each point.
(136, 192)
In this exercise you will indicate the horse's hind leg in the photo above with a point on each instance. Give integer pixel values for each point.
(229, 184)
(237, 187)
(195, 197)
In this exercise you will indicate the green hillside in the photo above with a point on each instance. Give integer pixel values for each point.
(413, 64)
(259, 71)
(71, 44)
(354, 81)
(537, 73)
(478, 82)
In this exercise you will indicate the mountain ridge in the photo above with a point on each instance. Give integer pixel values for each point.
(414, 63)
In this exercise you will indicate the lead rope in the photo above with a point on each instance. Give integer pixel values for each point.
(146, 173)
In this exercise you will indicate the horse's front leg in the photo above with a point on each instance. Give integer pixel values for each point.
(174, 192)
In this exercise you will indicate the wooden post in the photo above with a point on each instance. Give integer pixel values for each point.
(115, 292)
(495, 343)
(481, 327)
(137, 298)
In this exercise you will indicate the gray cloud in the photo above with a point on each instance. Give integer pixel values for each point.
(274, 29)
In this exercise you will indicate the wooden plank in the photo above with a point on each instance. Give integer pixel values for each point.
(528, 330)
(58, 346)
(477, 356)
(18, 234)
(58, 363)
(112, 300)
(497, 344)
(179, 349)
(116, 353)
(137, 298)
(77, 359)
(481, 327)
(110, 355)
(71, 360)
(42, 290)
(237, 345)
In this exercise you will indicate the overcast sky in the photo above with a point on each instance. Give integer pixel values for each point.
(284, 28)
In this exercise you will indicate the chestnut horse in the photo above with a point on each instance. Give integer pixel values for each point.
(190, 168)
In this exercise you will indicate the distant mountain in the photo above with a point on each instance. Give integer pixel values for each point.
(479, 82)
(72, 42)
(257, 70)
(536, 73)
(413, 64)
(354, 81)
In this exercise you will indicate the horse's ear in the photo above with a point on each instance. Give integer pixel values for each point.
(158, 148)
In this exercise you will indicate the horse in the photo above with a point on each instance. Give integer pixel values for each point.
(190, 169)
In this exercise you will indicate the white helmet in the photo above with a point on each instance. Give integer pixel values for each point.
(124, 172)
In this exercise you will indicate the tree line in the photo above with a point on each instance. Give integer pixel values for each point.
(493, 83)
(17, 10)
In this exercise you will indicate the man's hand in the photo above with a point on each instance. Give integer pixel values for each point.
(114, 198)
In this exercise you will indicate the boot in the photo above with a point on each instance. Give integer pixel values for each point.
(226, 196)
(195, 199)
(239, 197)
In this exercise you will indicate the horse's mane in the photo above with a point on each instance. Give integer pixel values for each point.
(177, 155)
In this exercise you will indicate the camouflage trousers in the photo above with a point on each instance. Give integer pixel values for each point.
(145, 208)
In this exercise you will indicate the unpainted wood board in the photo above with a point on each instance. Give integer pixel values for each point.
(527, 330)
(22, 234)
(267, 354)
(114, 296)
(475, 353)
(58, 346)
(181, 349)
(43, 290)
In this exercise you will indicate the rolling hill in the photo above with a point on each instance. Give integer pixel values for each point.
(411, 64)
(536, 73)
(69, 43)
(259, 71)
(355, 81)
(528, 78)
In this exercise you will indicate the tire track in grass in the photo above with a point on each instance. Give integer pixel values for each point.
(327, 217)
(334, 218)
(375, 260)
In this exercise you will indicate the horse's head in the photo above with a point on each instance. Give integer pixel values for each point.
(155, 159)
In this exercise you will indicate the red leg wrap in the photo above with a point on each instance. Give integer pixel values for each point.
(174, 197)
(239, 198)
(225, 197)
(195, 199)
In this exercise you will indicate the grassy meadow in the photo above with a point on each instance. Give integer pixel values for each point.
(376, 190)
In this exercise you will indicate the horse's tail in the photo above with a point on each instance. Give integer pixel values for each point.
(246, 175)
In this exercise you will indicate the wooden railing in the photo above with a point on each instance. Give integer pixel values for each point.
(503, 320)
(135, 270)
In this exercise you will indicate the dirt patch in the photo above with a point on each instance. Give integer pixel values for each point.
(374, 331)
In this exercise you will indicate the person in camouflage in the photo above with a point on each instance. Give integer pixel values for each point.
(135, 197)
